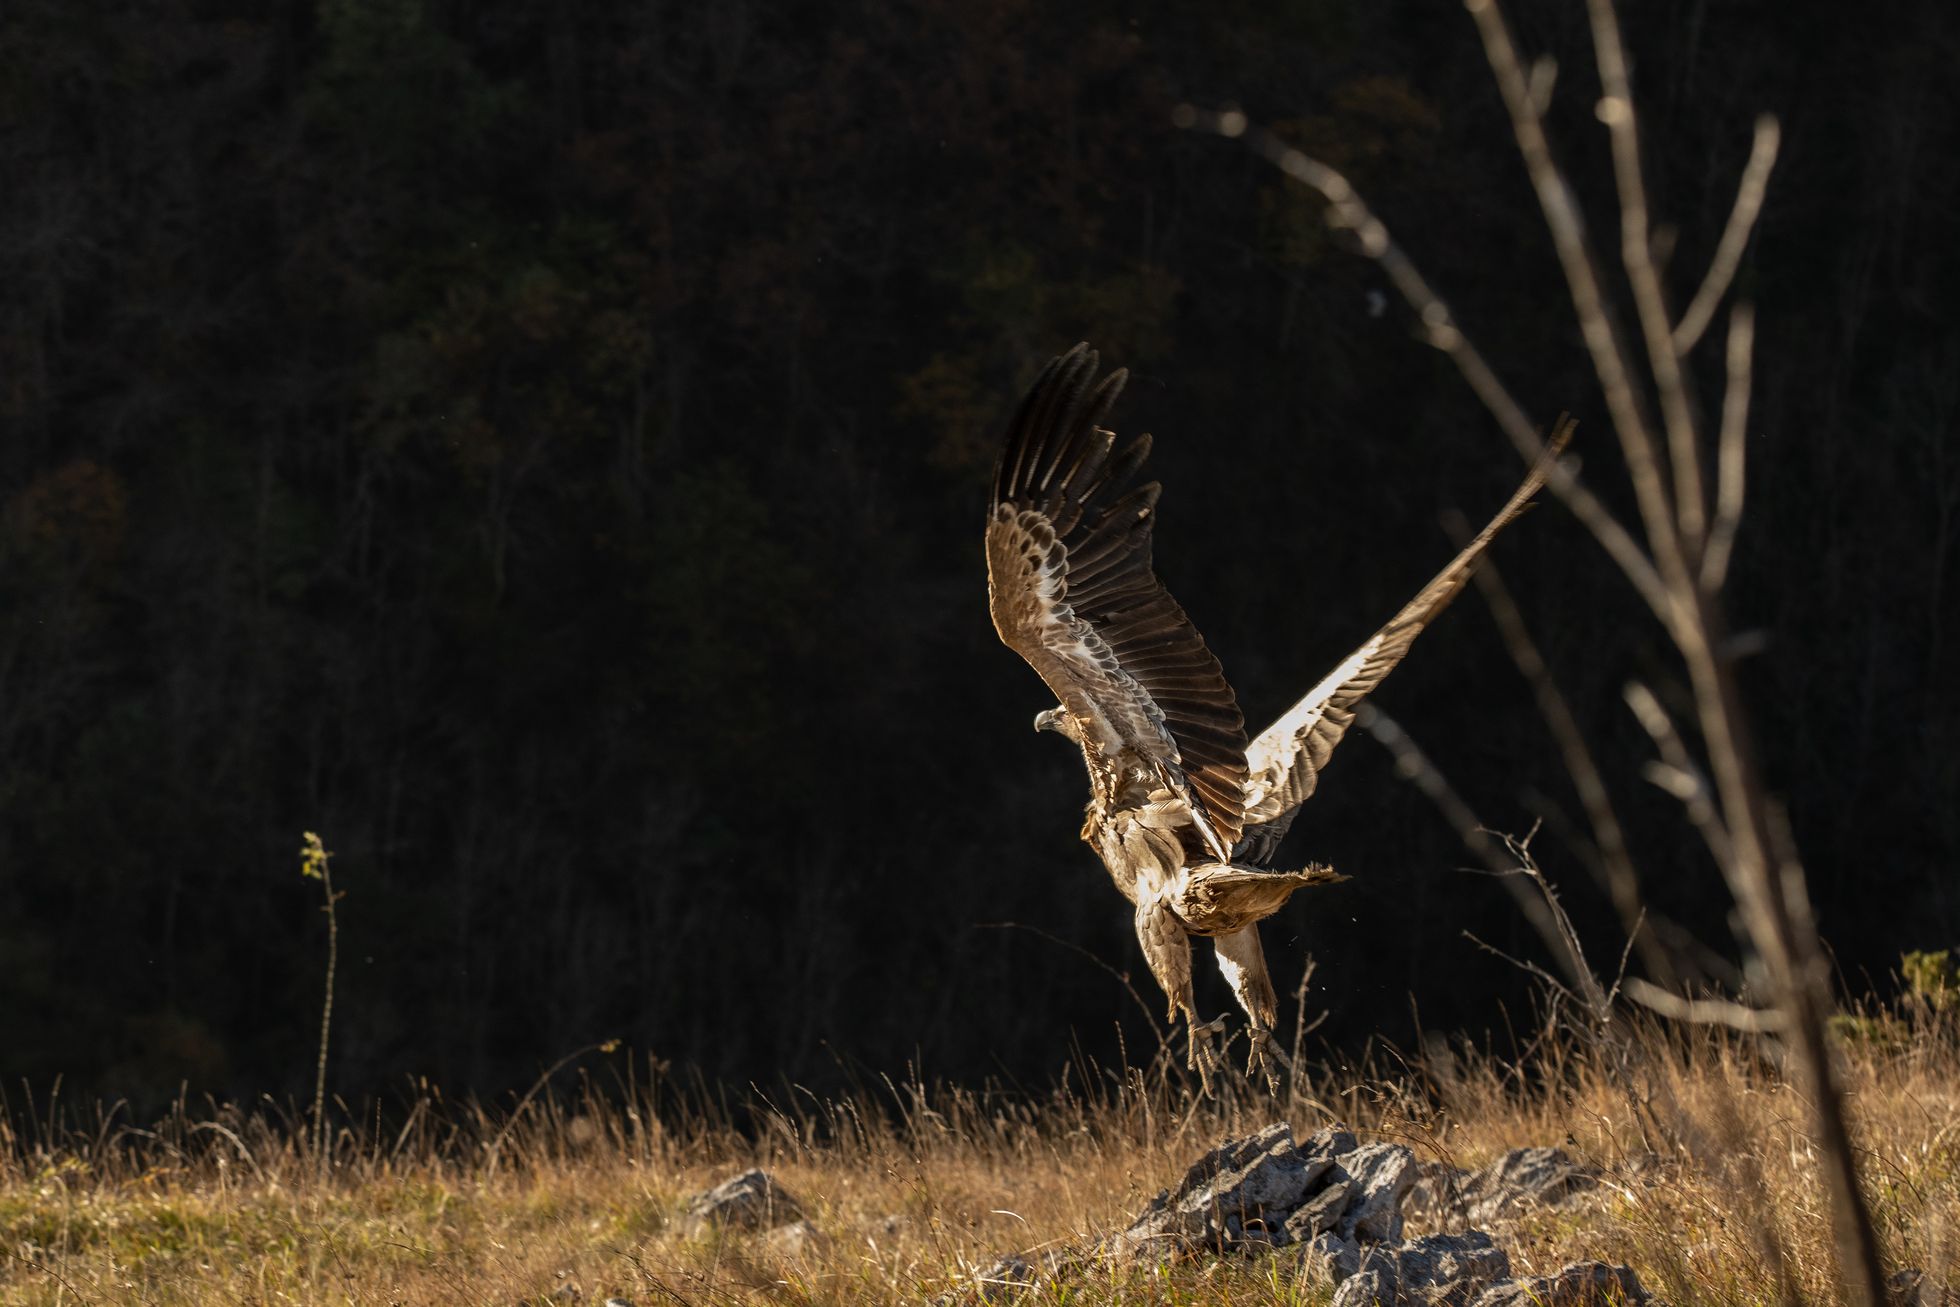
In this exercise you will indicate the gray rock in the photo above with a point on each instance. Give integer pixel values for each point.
(1330, 1142)
(1582, 1284)
(1322, 1211)
(751, 1201)
(1521, 1179)
(1381, 1173)
(1333, 1257)
(1240, 1193)
(1912, 1287)
(1441, 1270)
(1448, 1270)
(1372, 1286)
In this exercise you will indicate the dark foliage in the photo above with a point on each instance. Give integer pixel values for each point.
(543, 448)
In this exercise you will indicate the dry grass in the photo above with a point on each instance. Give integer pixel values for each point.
(912, 1190)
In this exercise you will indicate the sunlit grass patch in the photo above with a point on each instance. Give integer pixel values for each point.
(1710, 1191)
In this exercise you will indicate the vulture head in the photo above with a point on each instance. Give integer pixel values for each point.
(1057, 720)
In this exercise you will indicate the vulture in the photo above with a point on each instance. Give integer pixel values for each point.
(1185, 812)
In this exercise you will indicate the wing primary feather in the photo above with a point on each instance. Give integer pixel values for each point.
(1009, 473)
(1069, 543)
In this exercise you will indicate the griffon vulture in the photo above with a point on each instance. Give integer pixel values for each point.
(1183, 811)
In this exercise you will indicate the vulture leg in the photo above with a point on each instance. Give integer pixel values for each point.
(1243, 961)
(1167, 949)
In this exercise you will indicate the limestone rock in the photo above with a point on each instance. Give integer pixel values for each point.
(1440, 1270)
(1372, 1286)
(1522, 1178)
(1322, 1211)
(1334, 1258)
(751, 1201)
(1449, 1270)
(1330, 1142)
(1582, 1284)
(1240, 1193)
(1381, 1174)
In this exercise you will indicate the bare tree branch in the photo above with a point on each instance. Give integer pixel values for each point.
(1637, 253)
(1731, 806)
(1347, 210)
(1596, 322)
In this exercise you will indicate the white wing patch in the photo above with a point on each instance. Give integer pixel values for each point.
(1269, 757)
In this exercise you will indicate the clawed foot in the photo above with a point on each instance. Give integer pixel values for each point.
(1203, 1057)
(1265, 1058)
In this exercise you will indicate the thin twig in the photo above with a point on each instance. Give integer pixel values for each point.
(1508, 860)
(1733, 451)
(1679, 774)
(1703, 1011)
(1529, 968)
(1735, 236)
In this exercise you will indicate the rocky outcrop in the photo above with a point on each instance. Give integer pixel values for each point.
(1336, 1203)
(751, 1201)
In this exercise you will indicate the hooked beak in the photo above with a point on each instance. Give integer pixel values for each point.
(1048, 721)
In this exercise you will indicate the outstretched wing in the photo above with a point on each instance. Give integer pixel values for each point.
(1286, 760)
(1071, 590)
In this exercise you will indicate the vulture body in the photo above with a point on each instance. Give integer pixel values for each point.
(1184, 810)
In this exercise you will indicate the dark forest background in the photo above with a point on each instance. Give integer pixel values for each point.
(542, 448)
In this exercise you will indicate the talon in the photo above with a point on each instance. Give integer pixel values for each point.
(1202, 1057)
(1262, 1058)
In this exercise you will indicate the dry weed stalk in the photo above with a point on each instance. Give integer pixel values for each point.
(1679, 560)
(316, 863)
